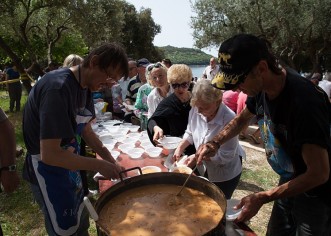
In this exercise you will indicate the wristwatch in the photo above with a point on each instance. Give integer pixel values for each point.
(9, 168)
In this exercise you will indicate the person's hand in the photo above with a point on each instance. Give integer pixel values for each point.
(111, 170)
(9, 180)
(250, 205)
(158, 134)
(191, 161)
(206, 151)
(177, 154)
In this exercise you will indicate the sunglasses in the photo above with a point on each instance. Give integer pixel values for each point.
(182, 85)
(156, 65)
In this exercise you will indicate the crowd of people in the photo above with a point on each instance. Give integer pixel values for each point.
(247, 86)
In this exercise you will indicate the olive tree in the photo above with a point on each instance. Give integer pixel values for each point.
(299, 30)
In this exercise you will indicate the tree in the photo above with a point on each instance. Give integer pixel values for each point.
(17, 21)
(299, 30)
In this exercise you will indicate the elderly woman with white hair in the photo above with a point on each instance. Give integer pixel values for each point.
(207, 117)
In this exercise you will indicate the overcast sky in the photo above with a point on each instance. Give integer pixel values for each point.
(174, 18)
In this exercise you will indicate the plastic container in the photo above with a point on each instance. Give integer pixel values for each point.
(146, 144)
(170, 142)
(154, 151)
(114, 154)
(150, 169)
(232, 214)
(136, 136)
(134, 128)
(181, 169)
(135, 152)
(125, 147)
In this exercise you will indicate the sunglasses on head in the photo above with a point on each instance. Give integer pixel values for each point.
(182, 85)
(156, 65)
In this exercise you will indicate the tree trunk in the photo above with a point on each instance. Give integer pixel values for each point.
(17, 62)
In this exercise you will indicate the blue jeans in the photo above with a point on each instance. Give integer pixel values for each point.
(302, 215)
(84, 221)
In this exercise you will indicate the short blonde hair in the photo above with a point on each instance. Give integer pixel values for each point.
(179, 73)
(204, 91)
(72, 60)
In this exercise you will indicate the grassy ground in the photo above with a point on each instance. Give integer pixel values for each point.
(20, 216)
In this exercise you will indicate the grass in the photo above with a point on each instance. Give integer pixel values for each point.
(20, 215)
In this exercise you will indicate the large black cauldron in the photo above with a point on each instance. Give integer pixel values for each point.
(194, 182)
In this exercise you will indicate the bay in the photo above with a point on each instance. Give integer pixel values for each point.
(197, 70)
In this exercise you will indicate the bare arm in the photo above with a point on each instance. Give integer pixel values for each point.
(53, 154)
(8, 179)
(317, 173)
(205, 151)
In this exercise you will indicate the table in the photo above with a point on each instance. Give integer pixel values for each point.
(127, 162)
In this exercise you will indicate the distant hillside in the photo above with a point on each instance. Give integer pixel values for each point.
(187, 56)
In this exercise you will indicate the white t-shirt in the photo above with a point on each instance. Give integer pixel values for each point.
(210, 73)
(226, 164)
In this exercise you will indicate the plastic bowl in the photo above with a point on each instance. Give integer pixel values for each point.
(146, 144)
(144, 133)
(154, 151)
(181, 169)
(119, 137)
(125, 147)
(232, 214)
(122, 130)
(150, 169)
(125, 125)
(136, 136)
(170, 142)
(104, 136)
(135, 152)
(109, 146)
(130, 141)
(114, 154)
(134, 128)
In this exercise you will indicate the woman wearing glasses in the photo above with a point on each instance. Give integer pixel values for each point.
(157, 76)
(171, 115)
(207, 117)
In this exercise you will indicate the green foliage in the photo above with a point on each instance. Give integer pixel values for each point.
(187, 56)
(298, 30)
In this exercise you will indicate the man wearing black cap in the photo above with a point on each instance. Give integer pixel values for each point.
(294, 119)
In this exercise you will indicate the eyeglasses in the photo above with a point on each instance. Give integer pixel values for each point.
(182, 85)
(156, 65)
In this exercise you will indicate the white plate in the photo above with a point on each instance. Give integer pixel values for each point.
(232, 214)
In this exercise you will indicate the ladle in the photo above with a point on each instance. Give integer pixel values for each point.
(186, 181)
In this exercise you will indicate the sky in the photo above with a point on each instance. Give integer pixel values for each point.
(174, 18)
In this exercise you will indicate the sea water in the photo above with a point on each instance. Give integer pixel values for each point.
(197, 70)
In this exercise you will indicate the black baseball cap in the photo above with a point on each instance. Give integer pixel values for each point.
(237, 56)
